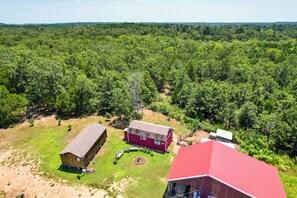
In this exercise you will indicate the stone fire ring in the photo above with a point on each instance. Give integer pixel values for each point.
(139, 160)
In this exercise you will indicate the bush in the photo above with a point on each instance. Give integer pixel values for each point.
(59, 122)
(136, 116)
(206, 126)
(69, 127)
(190, 142)
(108, 115)
(152, 154)
(31, 122)
(167, 109)
(192, 124)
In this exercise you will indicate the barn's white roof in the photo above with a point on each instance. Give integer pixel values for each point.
(224, 134)
(230, 145)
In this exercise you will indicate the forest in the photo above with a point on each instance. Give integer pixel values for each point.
(242, 77)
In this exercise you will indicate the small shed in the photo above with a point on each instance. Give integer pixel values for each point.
(154, 136)
(230, 145)
(224, 136)
(82, 149)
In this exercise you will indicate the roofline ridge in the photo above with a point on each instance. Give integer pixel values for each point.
(211, 157)
(149, 123)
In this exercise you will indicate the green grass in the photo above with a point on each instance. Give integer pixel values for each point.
(289, 180)
(149, 179)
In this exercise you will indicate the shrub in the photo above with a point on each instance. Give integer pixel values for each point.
(191, 123)
(167, 109)
(59, 122)
(69, 127)
(190, 142)
(152, 154)
(31, 122)
(108, 115)
(136, 116)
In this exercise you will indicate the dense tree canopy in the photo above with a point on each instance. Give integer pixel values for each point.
(242, 76)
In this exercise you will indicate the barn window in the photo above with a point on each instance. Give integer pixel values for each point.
(78, 159)
(157, 142)
(142, 137)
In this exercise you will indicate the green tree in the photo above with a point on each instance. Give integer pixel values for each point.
(84, 95)
(12, 107)
(247, 115)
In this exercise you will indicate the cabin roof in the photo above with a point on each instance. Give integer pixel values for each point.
(233, 168)
(83, 142)
(150, 127)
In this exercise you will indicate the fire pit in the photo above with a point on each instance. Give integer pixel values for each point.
(139, 160)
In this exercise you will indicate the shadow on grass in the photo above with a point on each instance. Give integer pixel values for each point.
(143, 147)
(69, 170)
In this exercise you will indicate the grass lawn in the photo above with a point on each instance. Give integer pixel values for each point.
(289, 180)
(144, 181)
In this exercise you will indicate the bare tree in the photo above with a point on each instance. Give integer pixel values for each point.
(133, 84)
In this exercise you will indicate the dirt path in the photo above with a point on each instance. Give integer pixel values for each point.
(19, 179)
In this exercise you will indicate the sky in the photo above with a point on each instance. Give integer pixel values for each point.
(59, 11)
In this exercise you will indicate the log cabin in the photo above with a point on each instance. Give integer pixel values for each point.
(82, 149)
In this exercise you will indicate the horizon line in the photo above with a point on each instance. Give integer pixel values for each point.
(156, 22)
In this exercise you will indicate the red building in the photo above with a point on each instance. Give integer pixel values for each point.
(211, 169)
(149, 135)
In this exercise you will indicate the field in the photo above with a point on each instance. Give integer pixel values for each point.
(42, 143)
(38, 148)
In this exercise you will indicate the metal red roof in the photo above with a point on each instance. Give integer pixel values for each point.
(233, 168)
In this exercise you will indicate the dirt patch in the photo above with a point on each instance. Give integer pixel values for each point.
(139, 160)
(176, 147)
(197, 136)
(18, 179)
(122, 184)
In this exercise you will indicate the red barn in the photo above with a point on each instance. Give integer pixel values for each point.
(211, 169)
(149, 135)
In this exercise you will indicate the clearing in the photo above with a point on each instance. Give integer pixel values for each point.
(31, 154)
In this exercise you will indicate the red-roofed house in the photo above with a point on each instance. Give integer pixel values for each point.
(212, 169)
(149, 135)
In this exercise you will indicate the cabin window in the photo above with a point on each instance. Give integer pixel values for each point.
(157, 142)
(142, 137)
(78, 159)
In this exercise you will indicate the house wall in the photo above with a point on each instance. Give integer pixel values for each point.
(221, 139)
(209, 186)
(69, 159)
(169, 139)
(149, 142)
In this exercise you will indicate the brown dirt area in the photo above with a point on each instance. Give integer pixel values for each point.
(18, 175)
(17, 179)
(197, 136)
